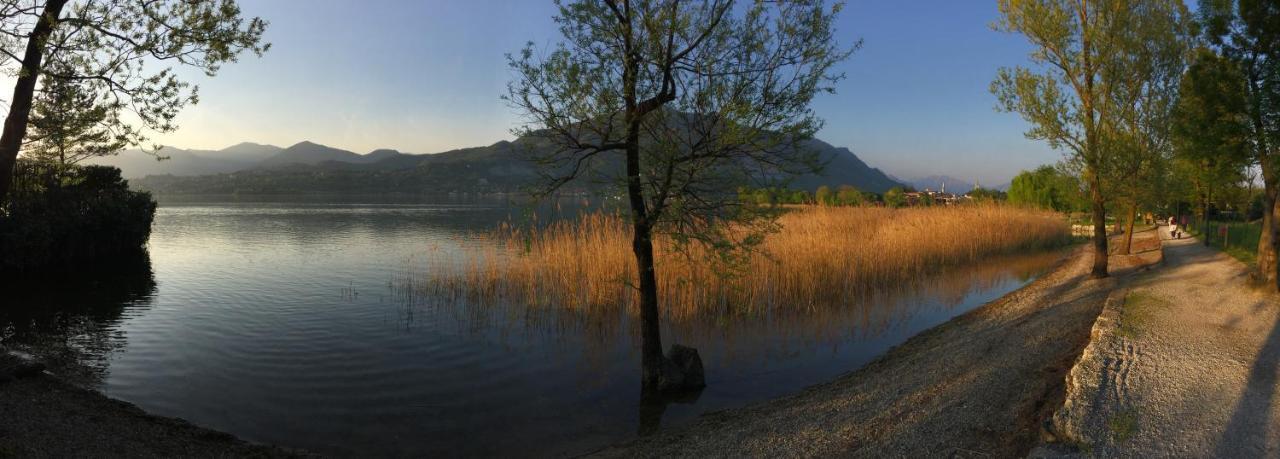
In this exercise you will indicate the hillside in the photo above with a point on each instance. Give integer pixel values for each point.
(501, 167)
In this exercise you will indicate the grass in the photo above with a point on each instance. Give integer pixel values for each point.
(1139, 307)
(1241, 242)
(1123, 425)
(821, 256)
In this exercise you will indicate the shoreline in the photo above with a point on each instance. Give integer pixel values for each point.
(46, 416)
(983, 383)
(45, 407)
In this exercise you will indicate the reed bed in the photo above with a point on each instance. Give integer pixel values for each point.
(821, 257)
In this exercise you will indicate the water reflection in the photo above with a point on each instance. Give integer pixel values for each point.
(741, 335)
(748, 355)
(71, 320)
(299, 324)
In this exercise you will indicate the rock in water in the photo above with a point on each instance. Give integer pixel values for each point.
(682, 370)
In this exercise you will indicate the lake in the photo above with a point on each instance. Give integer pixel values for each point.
(295, 323)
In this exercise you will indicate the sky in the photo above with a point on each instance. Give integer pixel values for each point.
(426, 76)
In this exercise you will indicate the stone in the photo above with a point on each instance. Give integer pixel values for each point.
(682, 370)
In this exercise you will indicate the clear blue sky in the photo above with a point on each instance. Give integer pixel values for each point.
(425, 77)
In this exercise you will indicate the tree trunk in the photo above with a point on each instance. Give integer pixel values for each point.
(651, 358)
(1099, 228)
(15, 124)
(1128, 231)
(1267, 238)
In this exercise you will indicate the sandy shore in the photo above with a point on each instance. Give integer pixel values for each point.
(980, 385)
(43, 416)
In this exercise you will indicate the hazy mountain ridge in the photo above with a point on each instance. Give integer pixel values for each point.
(308, 167)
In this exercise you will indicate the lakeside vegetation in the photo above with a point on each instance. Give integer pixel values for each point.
(67, 217)
(820, 257)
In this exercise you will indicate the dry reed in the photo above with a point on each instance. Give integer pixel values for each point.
(822, 257)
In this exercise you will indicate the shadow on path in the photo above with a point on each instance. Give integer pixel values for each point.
(1249, 429)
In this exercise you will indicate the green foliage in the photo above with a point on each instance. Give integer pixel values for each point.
(1047, 188)
(849, 196)
(1241, 242)
(987, 194)
(102, 47)
(1211, 130)
(70, 123)
(63, 218)
(825, 196)
(690, 93)
(895, 197)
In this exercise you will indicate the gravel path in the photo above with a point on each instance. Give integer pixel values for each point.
(980, 385)
(1184, 364)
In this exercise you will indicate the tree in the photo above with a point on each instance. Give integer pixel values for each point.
(1145, 84)
(696, 97)
(104, 44)
(1210, 128)
(895, 197)
(1047, 188)
(986, 194)
(69, 123)
(849, 196)
(1081, 51)
(1247, 32)
(824, 196)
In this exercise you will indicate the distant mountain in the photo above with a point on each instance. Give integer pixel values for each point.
(501, 167)
(177, 161)
(842, 167)
(248, 151)
(309, 153)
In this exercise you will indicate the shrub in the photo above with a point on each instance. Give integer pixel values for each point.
(63, 217)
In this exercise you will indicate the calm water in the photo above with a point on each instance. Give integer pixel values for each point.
(290, 323)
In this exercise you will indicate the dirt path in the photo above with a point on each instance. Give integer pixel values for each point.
(1184, 364)
(980, 385)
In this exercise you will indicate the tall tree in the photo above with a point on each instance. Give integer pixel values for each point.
(1248, 33)
(1081, 50)
(70, 123)
(694, 98)
(1047, 187)
(1211, 127)
(105, 44)
(1147, 77)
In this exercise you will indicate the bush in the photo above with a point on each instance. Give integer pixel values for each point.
(59, 218)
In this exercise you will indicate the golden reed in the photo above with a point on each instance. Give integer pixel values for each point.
(821, 257)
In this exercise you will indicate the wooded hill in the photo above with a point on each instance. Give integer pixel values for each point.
(308, 167)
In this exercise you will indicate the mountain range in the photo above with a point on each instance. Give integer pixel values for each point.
(308, 167)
